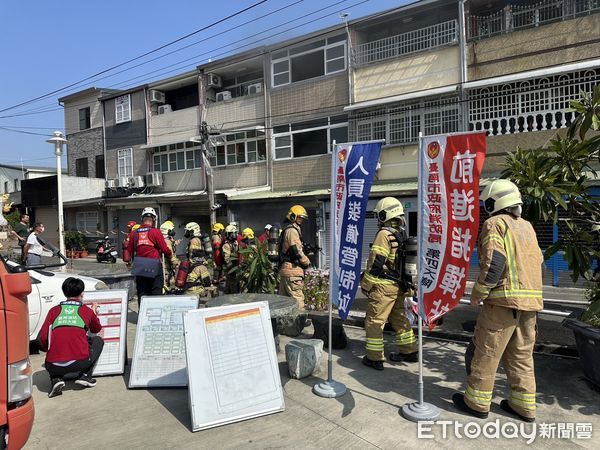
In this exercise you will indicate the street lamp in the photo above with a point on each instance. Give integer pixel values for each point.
(58, 140)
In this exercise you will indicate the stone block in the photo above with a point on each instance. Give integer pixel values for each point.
(303, 357)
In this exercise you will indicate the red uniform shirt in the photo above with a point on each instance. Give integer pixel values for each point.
(148, 242)
(68, 343)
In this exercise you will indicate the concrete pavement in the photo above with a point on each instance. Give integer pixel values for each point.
(111, 416)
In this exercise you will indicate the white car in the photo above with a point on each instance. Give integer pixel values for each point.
(46, 292)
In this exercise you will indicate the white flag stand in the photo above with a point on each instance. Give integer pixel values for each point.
(420, 410)
(331, 388)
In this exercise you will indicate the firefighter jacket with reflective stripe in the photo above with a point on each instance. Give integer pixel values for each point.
(230, 251)
(292, 266)
(510, 263)
(386, 245)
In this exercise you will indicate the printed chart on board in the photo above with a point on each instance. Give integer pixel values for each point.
(112, 312)
(159, 351)
(232, 364)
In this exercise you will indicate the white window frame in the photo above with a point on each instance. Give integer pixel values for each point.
(125, 155)
(171, 151)
(323, 48)
(123, 108)
(87, 221)
(235, 142)
(330, 126)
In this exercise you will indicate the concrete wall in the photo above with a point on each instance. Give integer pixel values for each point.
(77, 188)
(236, 113)
(85, 144)
(240, 176)
(311, 172)
(72, 112)
(318, 96)
(183, 180)
(533, 48)
(140, 163)
(173, 126)
(9, 175)
(398, 163)
(425, 70)
(126, 134)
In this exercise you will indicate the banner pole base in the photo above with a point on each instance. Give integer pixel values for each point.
(329, 389)
(420, 411)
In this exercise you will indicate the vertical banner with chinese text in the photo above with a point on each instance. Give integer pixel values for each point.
(449, 171)
(353, 170)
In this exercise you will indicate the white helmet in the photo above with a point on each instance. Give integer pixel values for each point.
(499, 195)
(149, 212)
(193, 228)
(388, 208)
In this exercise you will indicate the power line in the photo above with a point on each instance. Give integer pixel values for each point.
(123, 84)
(137, 57)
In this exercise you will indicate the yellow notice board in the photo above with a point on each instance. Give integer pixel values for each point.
(232, 364)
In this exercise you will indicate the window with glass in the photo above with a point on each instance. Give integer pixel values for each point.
(240, 148)
(87, 221)
(174, 157)
(123, 108)
(125, 162)
(84, 118)
(307, 61)
(309, 138)
(81, 167)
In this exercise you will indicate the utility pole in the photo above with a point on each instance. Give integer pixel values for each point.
(210, 189)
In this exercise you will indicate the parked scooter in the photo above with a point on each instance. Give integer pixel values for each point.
(105, 251)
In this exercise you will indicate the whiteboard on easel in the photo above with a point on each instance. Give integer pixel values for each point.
(159, 350)
(232, 364)
(112, 313)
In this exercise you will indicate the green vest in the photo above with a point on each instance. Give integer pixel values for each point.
(69, 316)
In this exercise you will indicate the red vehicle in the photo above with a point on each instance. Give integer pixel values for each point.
(16, 403)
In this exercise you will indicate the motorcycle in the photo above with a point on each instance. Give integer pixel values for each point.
(105, 251)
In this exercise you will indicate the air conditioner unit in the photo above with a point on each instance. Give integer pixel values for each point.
(164, 109)
(255, 88)
(214, 81)
(222, 96)
(157, 96)
(154, 179)
(136, 182)
(110, 184)
(123, 182)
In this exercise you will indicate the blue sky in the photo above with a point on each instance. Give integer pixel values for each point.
(47, 45)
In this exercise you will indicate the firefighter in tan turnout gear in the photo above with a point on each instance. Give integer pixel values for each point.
(292, 260)
(198, 280)
(171, 264)
(510, 286)
(383, 283)
(230, 252)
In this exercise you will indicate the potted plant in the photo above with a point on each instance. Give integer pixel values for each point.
(586, 328)
(255, 272)
(71, 242)
(82, 244)
(558, 178)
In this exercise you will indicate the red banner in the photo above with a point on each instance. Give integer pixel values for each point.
(449, 170)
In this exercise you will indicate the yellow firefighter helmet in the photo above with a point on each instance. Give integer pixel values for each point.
(218, 227)
(248, 233)
(295, 212)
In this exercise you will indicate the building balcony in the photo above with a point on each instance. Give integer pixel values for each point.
(419, 40)
(236, 113)
(173, 126)
(509, 18)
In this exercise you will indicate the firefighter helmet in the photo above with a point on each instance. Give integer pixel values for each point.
(499, 195)
(131, 224)
(135, 227)
(596, 227)
(268, 227)
(388, 208)
(218, 227)
(192, 229)
(167, 228)
(231, 231)
(248, 233)
(295, 212)
(149, 212)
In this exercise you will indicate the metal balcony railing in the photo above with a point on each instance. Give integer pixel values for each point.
(514, 17)
(434, 36)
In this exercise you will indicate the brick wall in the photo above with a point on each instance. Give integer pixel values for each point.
(85, 144)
